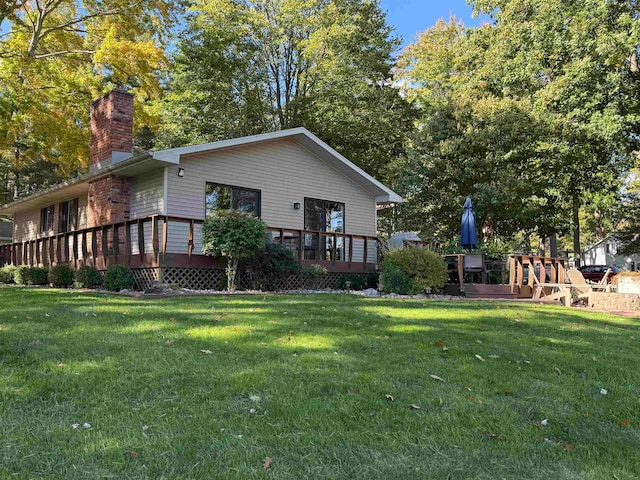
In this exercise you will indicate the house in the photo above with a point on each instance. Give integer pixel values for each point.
(405, 239)
(146, 210)
(606, 252)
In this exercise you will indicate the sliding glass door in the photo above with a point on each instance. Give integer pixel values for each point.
(323, 216)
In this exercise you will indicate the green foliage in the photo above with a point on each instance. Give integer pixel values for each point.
(373, 279)
(87, 277)
(356, 282)
(316, 270)
(7, 274)
(25, 275)
(271, 266)
(246, 67)
(118, 277)
(394, 280)
(71, 51)
(21, 274)
(314, 273)
(520, 115)
(234, 235)
(61, 276)
(426, 269)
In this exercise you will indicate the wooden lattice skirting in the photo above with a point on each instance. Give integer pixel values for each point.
(215, 279)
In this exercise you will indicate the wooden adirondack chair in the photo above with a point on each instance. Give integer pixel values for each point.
(578, 284)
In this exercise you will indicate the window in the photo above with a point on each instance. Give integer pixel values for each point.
(225, 197)
(323, 216)
(68, 215)
(46, 219)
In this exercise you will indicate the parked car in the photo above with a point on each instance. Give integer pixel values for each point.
(596, 272)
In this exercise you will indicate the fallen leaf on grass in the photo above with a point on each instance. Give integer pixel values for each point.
(500, 438)
(389, 397)
(253, 411)
(603, 391)
(439, 343)
(134, 454)
(267, 463)
(414, 406)
(568, 446)
(206, 352)
(470, 399)
(479, 358)
(351, 391)
(557, 370)
(61, 365)
(172, 319)
(435, 377)
(168, 343)
(467, 389)
(624, 422)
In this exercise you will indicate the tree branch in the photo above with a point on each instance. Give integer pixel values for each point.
(64, 52)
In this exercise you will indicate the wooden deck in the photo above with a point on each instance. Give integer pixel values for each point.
(166, 241)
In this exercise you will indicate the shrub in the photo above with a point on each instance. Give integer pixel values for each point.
(38, 276)
(25, 275)
(87, 277)
(395, 280)
(234, 235)
(426, 269)
(271, 265)
(372, 280)
(7, 274)
(61, 276)
(118, 277)
(315, 272)
(356, 282)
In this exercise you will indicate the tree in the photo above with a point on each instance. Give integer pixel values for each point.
(247, 67)
(574, 59)
(56, 56)
(532, 114)
(234, 235)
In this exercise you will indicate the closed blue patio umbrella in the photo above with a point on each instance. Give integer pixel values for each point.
(468, 236)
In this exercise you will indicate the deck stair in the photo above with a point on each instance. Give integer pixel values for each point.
(489, 291)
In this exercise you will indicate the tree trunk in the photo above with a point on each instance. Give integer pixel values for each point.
(577, 253)
(553, 246)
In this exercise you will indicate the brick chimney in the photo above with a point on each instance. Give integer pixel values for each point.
(111, 142)
(111, 129)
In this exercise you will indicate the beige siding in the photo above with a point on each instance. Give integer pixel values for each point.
(147, 194)
(26, 225)
(283, 171)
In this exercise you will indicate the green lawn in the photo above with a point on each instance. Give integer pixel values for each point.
(303, 380)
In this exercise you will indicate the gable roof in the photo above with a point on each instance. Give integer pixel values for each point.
(161, 158)
(306, 139)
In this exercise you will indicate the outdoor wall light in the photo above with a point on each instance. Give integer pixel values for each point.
(181, 172)
(296, 206)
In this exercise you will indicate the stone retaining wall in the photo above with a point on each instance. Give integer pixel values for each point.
(615, 301)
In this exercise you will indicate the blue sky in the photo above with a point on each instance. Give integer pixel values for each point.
(413, 16)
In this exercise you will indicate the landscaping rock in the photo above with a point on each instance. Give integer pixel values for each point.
(371, 292)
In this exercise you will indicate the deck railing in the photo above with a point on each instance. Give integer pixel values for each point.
(161, 240)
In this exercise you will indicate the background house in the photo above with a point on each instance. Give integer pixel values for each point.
(606, 252)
